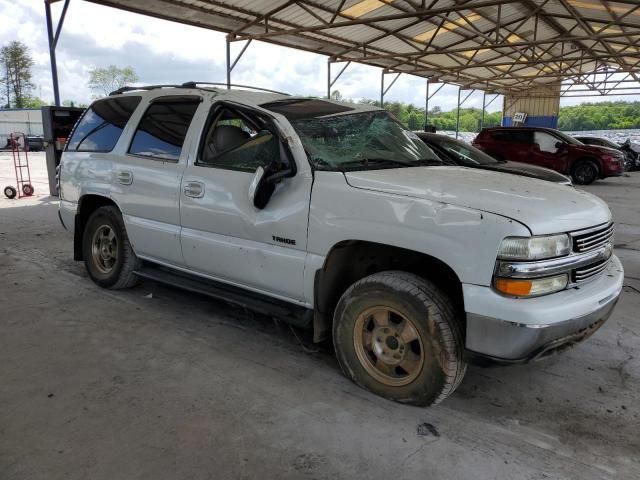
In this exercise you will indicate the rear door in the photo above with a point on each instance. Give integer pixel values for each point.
(224, 236)
(516, 144)
(147, 177)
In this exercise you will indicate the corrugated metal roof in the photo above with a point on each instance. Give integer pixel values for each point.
(495, 45)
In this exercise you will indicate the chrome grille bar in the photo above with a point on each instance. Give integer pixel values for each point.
(582, 275)
(593, 238)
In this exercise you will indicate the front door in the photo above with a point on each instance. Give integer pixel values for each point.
(546, 153)
(223, 234)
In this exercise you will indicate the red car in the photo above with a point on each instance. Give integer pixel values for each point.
(553, 149)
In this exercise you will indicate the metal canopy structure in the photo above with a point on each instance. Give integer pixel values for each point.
(499, 46)
(545, 47)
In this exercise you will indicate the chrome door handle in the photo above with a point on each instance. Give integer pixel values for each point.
(194, 189)
(125, 177)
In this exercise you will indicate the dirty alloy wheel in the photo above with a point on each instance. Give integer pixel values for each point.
(584, 172)
(10, 192)
(397, 335)
(108, 256)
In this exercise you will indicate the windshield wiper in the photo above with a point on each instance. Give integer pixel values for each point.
(435, 162)
(373, 162)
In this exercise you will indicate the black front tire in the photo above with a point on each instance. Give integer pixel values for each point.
(118, 271)
(584, 172)
(439, 338)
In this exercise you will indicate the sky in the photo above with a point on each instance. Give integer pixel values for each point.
(165, 52)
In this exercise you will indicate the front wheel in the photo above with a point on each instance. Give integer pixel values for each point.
(108, 256)
(584, 172)
(397, 335)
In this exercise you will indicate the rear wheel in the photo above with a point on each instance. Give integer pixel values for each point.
(584, 172)
(107, 253)
(397, 335)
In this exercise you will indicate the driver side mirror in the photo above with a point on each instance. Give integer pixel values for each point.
(266, 178)
(560, 145)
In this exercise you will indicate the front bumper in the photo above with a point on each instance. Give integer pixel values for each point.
(616, 170)
(514, 330)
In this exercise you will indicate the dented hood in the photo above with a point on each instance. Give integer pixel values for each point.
(544, 207)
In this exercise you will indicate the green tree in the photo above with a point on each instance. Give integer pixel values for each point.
(15, 73)
(34, 102)
(106, 80)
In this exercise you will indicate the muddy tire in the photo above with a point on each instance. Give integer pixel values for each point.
(108, 256)
(397, 335)
(584, 172)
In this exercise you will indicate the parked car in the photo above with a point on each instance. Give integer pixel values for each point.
(552, 149)
(632, 158)
(334, 217)
(457, 152)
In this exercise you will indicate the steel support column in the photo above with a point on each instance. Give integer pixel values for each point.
(426, 107)
(230, 65)
(383, 91)
(458, 109)
(485, 105)
(331, 82)
(484, 101)
(53, 43)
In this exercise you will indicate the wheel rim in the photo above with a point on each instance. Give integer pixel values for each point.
(104, 249)
(584, 172)
(388, 346)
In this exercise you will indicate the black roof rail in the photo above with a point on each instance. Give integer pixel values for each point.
(144, 87)
(233, 85)
(192, 85)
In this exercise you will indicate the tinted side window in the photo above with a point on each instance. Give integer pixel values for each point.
(513, 136)
(163, 128)
(101, 125)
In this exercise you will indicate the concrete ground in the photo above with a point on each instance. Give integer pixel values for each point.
(155, 383)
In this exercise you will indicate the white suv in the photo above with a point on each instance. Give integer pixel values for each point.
(335, 217)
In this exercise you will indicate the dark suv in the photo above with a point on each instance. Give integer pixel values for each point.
(552, 149)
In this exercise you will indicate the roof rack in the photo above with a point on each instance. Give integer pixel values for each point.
(145, 87)
(194, 85)
(232, 85)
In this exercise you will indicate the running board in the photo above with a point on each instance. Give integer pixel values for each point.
(293, 314)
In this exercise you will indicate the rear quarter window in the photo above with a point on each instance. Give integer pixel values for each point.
(100, 127)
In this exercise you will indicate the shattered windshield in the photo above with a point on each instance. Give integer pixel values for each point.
(352, 140)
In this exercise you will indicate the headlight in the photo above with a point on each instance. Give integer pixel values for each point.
(520, 287)
(534, 248)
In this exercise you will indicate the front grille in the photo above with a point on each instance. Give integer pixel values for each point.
(592, 238)
(589, 272)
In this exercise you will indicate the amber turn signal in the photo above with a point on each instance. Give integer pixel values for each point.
(516, 288)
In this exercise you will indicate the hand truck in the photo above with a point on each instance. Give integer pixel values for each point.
(19, 148)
